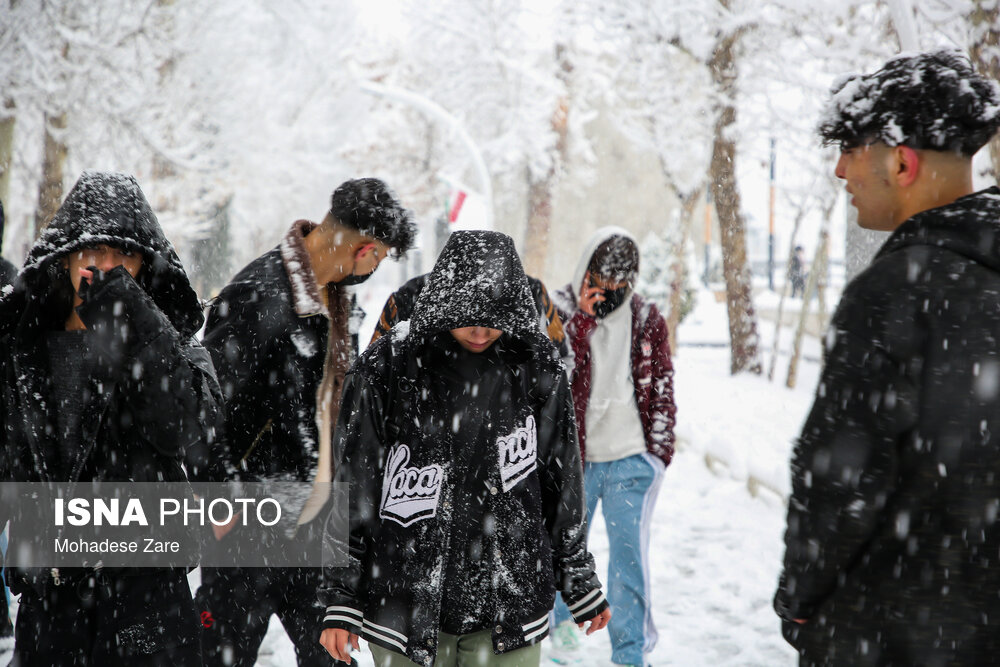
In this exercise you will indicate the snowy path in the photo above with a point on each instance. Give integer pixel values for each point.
(715, 554)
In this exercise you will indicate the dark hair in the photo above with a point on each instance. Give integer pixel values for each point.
(933, 101)
(370, 207)
(616, 258)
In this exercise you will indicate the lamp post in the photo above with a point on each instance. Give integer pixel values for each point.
(770, 226)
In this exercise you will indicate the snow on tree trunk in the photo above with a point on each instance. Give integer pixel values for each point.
(536, 233)
(984, 51)
(6, 147)
(540, 191)
(739, 298)
(817, 269)
(784, 291)
(679, 268)
(50, 189)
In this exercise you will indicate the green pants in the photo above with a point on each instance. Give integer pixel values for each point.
(474, 650)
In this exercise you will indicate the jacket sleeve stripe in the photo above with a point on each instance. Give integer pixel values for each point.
(334, 609)
(386, 631)
(596, 603)
(540, 632)
(339, 617)
(528, 627)
(369, 634)
(575, 607)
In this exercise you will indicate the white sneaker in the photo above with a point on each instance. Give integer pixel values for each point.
(565, 644)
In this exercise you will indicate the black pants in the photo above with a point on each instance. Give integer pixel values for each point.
(144, 620)
(236, 606)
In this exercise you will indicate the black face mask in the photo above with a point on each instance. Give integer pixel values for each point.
(613, 298)
(355, 279)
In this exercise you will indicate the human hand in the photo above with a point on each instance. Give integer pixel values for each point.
(598, 622)
(339, 643)
(115, 306)
(589, 295)
(221, 531)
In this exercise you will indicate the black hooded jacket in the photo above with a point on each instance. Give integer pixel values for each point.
(893, 544)
(466, 486)
(150, 406)
(399, 307)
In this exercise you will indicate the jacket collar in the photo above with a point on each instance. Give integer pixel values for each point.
(306, 297)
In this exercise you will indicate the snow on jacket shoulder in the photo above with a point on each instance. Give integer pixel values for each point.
(892, 535)
(409, 489)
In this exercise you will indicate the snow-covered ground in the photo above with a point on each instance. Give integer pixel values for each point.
(715, 548)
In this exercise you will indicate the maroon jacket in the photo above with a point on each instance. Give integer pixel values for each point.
(652, 371)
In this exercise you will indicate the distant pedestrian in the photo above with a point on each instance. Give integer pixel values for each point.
(797, 273)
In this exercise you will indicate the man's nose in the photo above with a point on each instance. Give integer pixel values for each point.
(841, 170)
(105, 261)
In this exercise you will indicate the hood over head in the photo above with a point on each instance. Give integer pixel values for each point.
(596, 240)
(969, 226)
(110, 208)
(477, 281)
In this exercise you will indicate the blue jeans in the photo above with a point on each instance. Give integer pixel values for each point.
(627, 489)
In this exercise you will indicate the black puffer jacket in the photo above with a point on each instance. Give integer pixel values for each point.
(445, 498)
(152, 402)
(893, 543)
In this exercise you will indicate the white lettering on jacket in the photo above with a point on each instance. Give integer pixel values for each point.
(518, 453)
(409, 494)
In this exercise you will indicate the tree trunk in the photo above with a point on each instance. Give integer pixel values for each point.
(983, 53)
(784, 292)
(6, 148)
(50, 190)
(536, 233)
(743, 335)
(816, 268)
(679, 268)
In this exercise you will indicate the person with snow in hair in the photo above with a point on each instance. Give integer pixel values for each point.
(623, 393)
(892, 539)
(466, 511)
(280, 335)
(399, 308)
(102, 380)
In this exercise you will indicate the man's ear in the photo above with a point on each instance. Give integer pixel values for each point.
(361, 252)
(907, 165)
